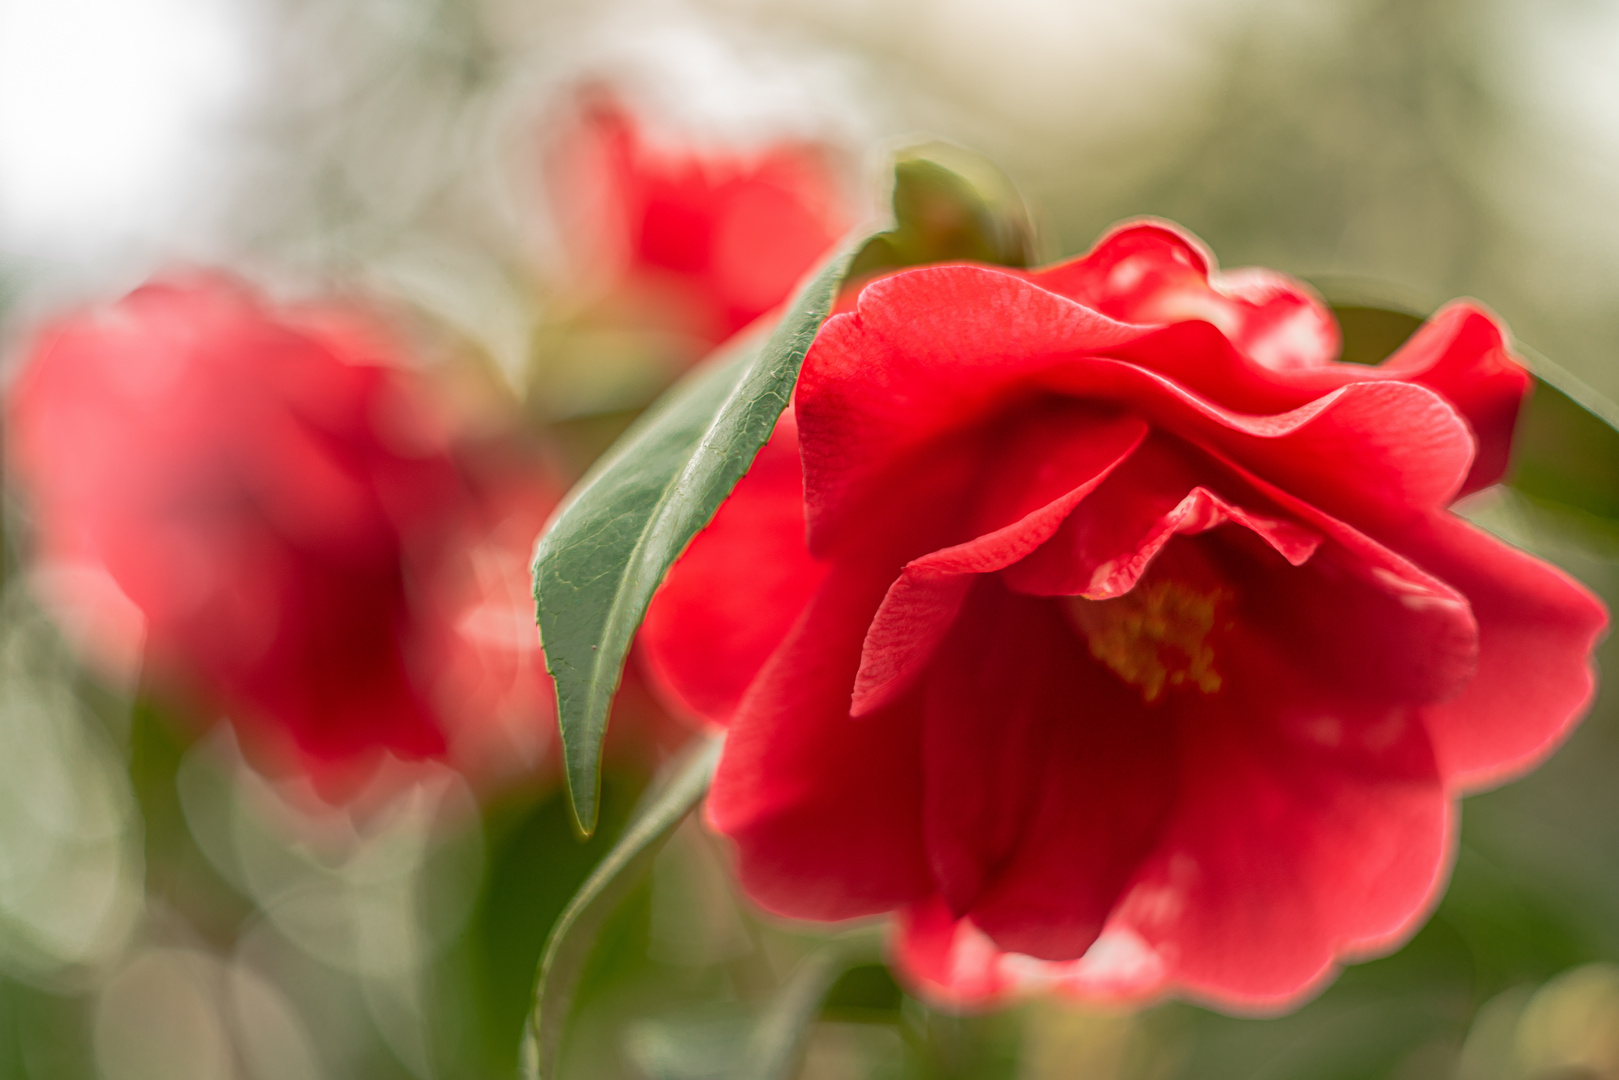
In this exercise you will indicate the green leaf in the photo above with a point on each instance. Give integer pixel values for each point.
(1568, 447)
(1371, 333)
(596, 568)
(534, 866)
(574, 935)
(608, 549)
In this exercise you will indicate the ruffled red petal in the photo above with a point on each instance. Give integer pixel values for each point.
(1153, 273)
(1309, 827)
(825, 809)
(951, 962)
(1305, 829)
(1537, 628)
(1102, 548)
(1462, 353)
(1277, 342)
(936, 350)
(1358, 614)
(1047, 463)
(1046, 776)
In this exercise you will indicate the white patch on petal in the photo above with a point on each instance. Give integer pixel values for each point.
(1120, 957)
(1423, 603)
(1197, 304)
(1160, 903)
(1295, 342)
(1128, 273)
(972, 954)
(1030, 974)
(1414, 595)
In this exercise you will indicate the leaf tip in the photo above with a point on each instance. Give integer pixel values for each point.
(582, 800)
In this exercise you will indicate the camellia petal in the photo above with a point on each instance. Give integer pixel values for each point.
(1153, 273)
(1280, 341)
(1295, 842)
(1034, 827)
(940, 349)
(1102, 549)
(827, 815)
(1537, 630)
(1049, 470)
(1462, 353)
(1375, 618)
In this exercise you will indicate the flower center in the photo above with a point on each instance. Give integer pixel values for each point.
(1155, 635)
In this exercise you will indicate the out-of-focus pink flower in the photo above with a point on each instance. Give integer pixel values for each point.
(709, 239)
(1103, 625)
(496, 700)
(275, 506)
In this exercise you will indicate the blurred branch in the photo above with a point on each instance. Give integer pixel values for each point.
(776, 1046)
(683, 785)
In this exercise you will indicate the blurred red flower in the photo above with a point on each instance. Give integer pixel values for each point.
(711, 237)
(276, 508)
(1133, 648)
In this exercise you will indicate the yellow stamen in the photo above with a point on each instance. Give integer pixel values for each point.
(1155, 635)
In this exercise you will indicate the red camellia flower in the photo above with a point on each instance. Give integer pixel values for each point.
(268, 504)
(1103, 625)
(714, 237)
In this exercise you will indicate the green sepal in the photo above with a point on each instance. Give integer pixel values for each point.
(949, 204)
